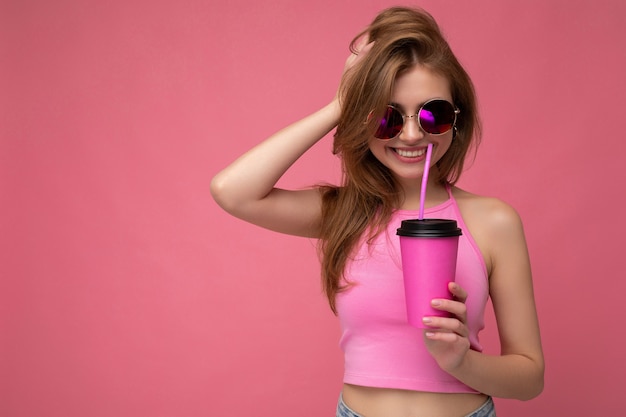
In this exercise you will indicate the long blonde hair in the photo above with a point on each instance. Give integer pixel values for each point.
(403, 37)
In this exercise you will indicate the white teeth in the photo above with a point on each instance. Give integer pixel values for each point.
(410, 154)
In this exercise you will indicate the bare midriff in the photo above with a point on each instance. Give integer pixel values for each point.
(385, 402)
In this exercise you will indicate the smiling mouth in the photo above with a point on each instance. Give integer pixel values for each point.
(409, 154)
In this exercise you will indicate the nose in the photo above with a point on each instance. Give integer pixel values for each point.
(411, 130)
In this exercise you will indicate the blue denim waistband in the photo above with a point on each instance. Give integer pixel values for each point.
(486, 410)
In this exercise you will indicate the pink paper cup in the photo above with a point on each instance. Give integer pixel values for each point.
(429, 250)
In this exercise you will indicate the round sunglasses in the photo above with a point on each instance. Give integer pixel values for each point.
(436, 117)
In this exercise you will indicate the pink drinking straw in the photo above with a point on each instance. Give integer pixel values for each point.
(429, 151)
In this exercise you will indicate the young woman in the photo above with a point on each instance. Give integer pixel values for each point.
(402, 89)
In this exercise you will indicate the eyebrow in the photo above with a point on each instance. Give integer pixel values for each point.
(401, 107)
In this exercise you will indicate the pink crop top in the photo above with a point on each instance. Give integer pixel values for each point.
(381, 349)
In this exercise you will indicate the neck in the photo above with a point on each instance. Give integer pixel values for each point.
(436, 193)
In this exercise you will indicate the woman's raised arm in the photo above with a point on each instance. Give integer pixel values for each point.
(246, 188)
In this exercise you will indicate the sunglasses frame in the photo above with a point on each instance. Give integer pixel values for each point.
(419, 123)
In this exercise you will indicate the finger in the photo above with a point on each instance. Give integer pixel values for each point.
(364, 49)
(457, 308)
(446, 325)
(361, 43)
(457, 291)
(443, 336)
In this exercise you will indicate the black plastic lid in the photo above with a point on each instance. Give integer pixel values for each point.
(429, 228)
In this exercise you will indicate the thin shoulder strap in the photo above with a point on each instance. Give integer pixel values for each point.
(455, 205)
(449, 190)
(466, 233)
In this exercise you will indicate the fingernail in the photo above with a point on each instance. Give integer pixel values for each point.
(436, 302)
(427, 320)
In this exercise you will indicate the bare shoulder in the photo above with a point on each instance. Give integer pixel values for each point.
(494, 224)
(490, 212)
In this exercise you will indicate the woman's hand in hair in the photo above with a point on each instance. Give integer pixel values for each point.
(358, 51)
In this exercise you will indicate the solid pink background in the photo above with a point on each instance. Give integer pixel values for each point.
(126, 291)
